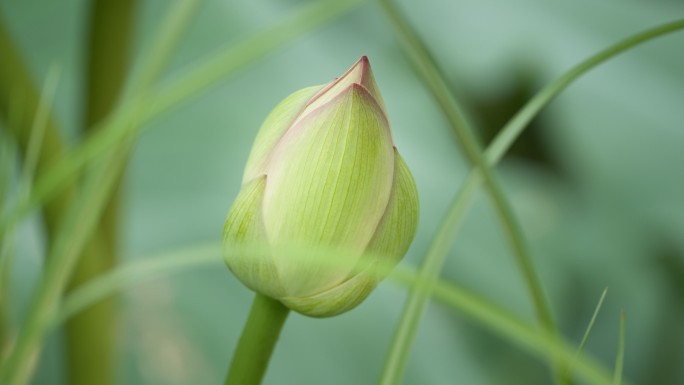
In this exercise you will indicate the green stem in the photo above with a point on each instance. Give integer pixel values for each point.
(111, 26)
(432, 77)
(258, 339)
(90, 335)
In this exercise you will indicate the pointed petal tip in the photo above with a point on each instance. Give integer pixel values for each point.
(364, 65)
(357, 73)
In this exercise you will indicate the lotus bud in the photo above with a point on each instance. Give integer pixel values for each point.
(323, 174)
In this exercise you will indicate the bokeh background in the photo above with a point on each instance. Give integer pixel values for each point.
(597, 182)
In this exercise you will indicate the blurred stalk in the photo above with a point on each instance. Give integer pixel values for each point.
(7, 158)
(75, 228)
(18, 92)
(620, 359)
(20, 100)
(80, 222)
(8, 153)
(19, 104)
(90, 335)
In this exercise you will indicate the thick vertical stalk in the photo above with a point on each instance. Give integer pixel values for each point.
(7, 157)
(90, 335)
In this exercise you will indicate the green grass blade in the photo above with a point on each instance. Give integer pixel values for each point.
(620, 359)
(40, 124)
(501, 322)
(19, 101)
(528, 337)
(510, 132)
(431, 266)
(590, 326)
(415, 305)
(8, 153)
(587, 332)
(168, 38)
(127, 275)
(141, 108)
(431, 76)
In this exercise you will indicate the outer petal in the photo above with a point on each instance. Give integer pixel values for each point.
(391, 241)
(337, 300)
(398, 226)
(273, 128)
(245, 247)
(329, 182)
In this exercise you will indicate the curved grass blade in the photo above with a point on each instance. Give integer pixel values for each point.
(19, 101)
(40, 125)
(501, 322)
(129, 274)
(9, 151)
(434, 81)
(168, 38)
(528, 337)
(141, 108)
(432, 264)
(34, 144)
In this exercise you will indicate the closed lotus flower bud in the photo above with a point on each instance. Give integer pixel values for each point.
(323, 174)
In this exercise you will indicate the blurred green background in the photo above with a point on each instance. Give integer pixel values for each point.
(597, 182)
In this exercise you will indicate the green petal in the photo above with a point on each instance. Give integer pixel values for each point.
(273, 128)
(329, 181)
(245, 247)
(391, 241)
(398, 226)
(337, 300)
